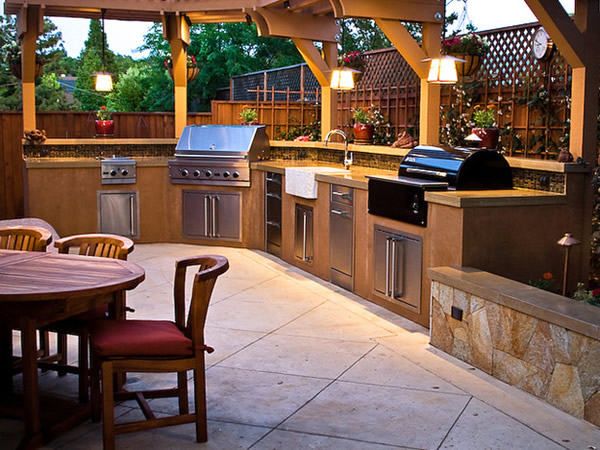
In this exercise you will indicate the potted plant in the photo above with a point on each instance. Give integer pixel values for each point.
(105, 125)
(192, 67)
(248, 115)
(485, 129)
(14, 62)
(470, 47)
(364, 127)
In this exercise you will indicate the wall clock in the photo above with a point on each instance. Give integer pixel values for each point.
(541, 44)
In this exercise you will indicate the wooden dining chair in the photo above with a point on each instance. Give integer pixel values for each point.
(25, 238)
(157, 346)
(31, 239)
(100, 245)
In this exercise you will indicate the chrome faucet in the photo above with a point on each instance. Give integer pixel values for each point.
(347, 161)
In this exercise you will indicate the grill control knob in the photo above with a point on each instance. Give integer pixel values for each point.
(226, 174)
(236, 174)
(113, 173)
(184, 172)
(196, 173)
(124, 172)
(208, 173)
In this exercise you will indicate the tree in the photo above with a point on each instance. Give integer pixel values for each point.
(92, 63)
(49, 50)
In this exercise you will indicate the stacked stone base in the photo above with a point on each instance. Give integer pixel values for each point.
(550, 361)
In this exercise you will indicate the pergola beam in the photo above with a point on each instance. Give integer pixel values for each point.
(291, 25)
(424, 11)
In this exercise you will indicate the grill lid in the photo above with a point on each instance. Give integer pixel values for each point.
(248, 141)
(461, 168)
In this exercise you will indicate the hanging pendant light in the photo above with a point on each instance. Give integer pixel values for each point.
(442, 70)
(343, 79)
(103, 79)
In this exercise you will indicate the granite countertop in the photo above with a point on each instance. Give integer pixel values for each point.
(356, 178)
(489, 198)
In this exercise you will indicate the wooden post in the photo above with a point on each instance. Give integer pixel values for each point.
(29, 27)
(177, 31)
(329, 96)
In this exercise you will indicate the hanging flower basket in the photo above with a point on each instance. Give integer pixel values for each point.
(15, 69)
(470, 66)
(192, 72)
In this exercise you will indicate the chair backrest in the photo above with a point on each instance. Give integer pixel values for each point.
(102, 245)
(26, 238)
(211, 266)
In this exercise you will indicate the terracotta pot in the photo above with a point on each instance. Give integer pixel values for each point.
(489, 137)
(363, 133)
(470, 66)
(192, 72)
(105, 128)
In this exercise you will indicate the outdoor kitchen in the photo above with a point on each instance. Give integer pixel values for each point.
(366, 280)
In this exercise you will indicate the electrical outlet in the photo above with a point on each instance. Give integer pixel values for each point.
(456, 313)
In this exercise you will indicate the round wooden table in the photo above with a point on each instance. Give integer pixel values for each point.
(40, 288)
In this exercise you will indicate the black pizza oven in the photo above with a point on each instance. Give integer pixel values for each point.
(435, 168)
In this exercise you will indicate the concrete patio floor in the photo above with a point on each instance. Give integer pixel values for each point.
(302, 364)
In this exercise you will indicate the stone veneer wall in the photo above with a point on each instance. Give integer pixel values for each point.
(550, 361)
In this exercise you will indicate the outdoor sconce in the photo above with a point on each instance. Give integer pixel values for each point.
(442, 70)
(343, 79)
(567, 241)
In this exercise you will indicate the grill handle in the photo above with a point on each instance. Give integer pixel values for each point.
(434, 173)
(215, 156)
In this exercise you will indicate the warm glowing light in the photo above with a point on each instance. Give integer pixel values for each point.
(443, 70)
(104, 82)
(343, 79)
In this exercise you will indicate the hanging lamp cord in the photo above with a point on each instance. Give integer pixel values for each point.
(103, 40)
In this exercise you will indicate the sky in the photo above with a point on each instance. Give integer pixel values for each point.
(124, 37)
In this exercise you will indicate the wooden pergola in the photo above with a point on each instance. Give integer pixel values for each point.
(308, 21)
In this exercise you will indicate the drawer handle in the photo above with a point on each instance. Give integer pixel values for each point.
(339, 213)
(273, 224)
(270, 194)
(340, 194)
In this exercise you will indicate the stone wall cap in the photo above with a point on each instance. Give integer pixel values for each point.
(553, 308)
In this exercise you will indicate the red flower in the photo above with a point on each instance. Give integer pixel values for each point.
(547, 276)
(103, 108)
(596, 292)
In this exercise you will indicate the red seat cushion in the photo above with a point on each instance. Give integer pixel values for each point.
(138, 338)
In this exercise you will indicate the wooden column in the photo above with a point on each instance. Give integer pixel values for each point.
(29, 27)
(177, 31)
(329, 96)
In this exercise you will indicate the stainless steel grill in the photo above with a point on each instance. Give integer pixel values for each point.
(218, 154)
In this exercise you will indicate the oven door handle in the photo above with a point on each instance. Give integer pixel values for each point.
(387, 266)
(206, 215)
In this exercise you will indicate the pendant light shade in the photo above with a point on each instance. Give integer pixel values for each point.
(442, 70)
(103, 79)
(104, 82)
(343, 79)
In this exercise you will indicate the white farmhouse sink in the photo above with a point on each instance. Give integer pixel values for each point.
(300, 181)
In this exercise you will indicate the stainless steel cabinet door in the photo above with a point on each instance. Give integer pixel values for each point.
(303, 240)
(397, 258)
(212, 215)
(341, 241)
(225, 216)
(118, 213)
